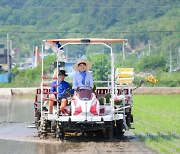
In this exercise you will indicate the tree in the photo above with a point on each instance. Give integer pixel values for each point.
(151, 63)
(100, 66)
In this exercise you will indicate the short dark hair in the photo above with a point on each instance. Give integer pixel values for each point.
(81, 63)
(62, 72)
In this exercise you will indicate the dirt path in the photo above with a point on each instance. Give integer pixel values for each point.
(157, 90)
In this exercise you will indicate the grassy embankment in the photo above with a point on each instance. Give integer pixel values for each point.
(157, 121)
(165, 79)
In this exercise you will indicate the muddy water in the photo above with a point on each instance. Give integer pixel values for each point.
(18, 137)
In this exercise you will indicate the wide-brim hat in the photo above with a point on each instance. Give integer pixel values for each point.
(62, 72)
(88, 64)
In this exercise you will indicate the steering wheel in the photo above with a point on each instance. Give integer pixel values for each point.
(84, 87)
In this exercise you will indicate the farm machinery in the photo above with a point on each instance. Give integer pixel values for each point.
(106, 109)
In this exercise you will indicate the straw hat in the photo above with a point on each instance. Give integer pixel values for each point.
(88, 64)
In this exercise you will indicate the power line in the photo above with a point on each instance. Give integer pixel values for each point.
(60, 7)
(136, 32)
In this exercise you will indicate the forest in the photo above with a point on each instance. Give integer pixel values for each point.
(151, 27)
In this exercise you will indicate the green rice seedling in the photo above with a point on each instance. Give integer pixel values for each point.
(158, 118)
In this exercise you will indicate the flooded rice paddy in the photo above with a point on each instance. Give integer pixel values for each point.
(18, 135)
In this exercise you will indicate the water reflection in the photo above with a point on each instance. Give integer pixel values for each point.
(13, 109)
(20, 147)
(15, 115)
(15, 147)
(58, 148)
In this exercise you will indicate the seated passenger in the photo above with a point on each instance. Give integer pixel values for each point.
(82, 77)
(62, 89)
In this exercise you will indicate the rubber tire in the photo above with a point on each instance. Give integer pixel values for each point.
(118, 129)
(108, 132)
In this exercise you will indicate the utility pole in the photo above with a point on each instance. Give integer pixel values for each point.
(170, 63)
(178, 58)
(123, 52)
(8, 61)
(123, 55)
(149, 48)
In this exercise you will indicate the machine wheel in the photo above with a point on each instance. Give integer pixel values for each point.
(108, 132)
(118, 129)
(99, 133)
(129, 119)
(60, 134)
(43, 129)
(53, 129)
(37, 120)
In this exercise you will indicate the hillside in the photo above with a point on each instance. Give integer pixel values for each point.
(155, 21)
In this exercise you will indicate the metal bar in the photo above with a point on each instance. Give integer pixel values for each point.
(48, 85)
(45, 99)
(112, 81)
(112, 63)
(122, 108)
(57, 88)
(96, 41)
(49, 93)
(47, 77)
(124, 111)
(91, 40)
(101, 81)
(112, 78)
(42, 52)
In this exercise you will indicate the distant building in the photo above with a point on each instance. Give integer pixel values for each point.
(5, 67)
(68, 67)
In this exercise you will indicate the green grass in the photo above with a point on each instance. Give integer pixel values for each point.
(157, 121)
(165, 79)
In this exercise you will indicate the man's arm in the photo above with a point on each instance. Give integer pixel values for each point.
(53, 89)
(74, 86)
(91, 80)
